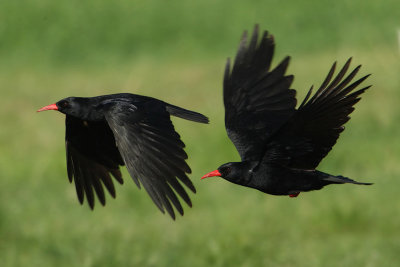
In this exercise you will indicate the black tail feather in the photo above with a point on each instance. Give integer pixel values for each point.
(186, 114)
(343, 180)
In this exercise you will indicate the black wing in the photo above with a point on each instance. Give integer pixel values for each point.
(92, 158)
(152, 151)
(257, 100)
(313, 130)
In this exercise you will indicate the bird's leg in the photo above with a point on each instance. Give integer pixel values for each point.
(294, 195)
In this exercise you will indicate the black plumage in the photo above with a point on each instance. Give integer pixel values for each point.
(281, 146)
(105, 132)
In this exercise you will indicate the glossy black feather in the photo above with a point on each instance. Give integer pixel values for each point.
(152, 151)
(91, 157)
(257, 100)
(317, 123)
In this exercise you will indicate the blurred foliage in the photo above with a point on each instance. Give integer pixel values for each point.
(175, 51)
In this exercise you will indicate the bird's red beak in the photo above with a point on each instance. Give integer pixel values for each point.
(49, 107)
(211, 174)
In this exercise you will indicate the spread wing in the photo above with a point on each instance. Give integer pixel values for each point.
(313, 130)
(92, 159)
(257, 99)
(152, 151)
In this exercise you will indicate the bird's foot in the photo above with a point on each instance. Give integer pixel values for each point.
(294, 195)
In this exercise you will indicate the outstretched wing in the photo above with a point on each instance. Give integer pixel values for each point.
(257, 100)
(92, 158)
(152, 151)
(313, 130)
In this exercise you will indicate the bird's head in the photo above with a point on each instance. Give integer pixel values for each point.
(74, 106)
(235, 172)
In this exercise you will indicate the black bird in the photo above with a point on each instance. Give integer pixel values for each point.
(104, 132)
(281, 146)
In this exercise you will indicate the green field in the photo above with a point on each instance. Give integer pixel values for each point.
(176, 51)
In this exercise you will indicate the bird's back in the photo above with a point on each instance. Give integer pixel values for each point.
(151, 103)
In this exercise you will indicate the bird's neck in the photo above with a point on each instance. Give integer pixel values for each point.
(245, 171)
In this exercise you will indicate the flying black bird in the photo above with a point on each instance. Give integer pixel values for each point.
(104, 132)
(281, 146)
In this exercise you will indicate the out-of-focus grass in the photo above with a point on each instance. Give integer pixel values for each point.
(100, 33)
(178, 55)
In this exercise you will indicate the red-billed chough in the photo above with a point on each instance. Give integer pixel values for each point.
(281, 146)
(107, 131)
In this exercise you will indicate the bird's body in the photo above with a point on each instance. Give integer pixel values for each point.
(281, 146)
(105, 132)
(276, 179)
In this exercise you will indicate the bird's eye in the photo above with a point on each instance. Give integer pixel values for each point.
(228, 170)
(64, 104)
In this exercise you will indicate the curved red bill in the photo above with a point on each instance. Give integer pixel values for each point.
(211, 174)
(49, 107)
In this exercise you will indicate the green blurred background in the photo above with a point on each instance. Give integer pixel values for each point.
(176, 51)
